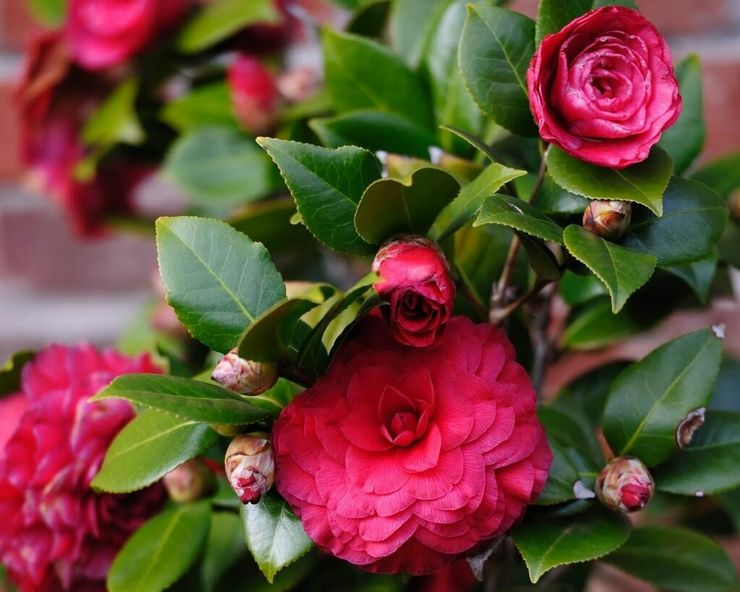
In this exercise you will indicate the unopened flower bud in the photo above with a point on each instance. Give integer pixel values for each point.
(242, 376)
(415, 280)
(608, 219)
(625, 485)
(189, 482)
(688, 426)
(250, 466)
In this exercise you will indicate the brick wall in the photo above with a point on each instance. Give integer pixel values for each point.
(56, 287)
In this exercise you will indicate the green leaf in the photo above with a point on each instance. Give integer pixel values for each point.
(275, 537)
(542, 260)
(374, 130)
(216, 21)
(570, 428)
(651, 397)
(217, 280)
(476, 142)
(409, 205)
(471, 198)
(722, 175)
(277, 397)
(269, 338)
(560, 481)
(225, 547)
(621, 270)
(162, 550)
(683, 141)
(10, 371)
(207, 105)
(451, 101)
(697, 275)
(327, 186)
(553, 15)
(549, 542)
(691, 224)
(191, 399)
(219, 166)
(519, 215)
(412, 26)
(388, 85)
(579, 289)
(587, 393)
(495, 50)
(551, 198)
(115, 120)
(149, 447)
(705, 466)
(48, 12)
(642, 183)
(675, 559)
(595, 326)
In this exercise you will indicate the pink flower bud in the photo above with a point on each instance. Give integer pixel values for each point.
(250, 466)
(625, 485)
(415, 280)
(244, 376)
(254, 95)
(188, 482)
(608, 219)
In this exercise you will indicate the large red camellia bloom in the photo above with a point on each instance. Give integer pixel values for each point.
(400, 459)
(603, 87)
(55, 532)
(105, 33)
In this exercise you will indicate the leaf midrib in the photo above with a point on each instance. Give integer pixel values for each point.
(163, 540)
(505, 53)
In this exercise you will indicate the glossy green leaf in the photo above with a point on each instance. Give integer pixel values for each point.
(642, 183)
(217, 280)
(595, 326)
(579, 289)
(472, 139)
(410, 205)
(519, 215)
(451, 102)
(495, 49)
(48, 12)
(570, 428)
(412, 27)
(553, 15)
(471, 198)
(650, 398)
(374, 130)
(275, 537)
(551, 198)
(547, 542)
(621, 270)
(327, 186)
(191, 399)
(274, 399)
(149, 447)
(692, 222)
(10, 372)
(707, 464)
(722, 174)
(207, 105)
(219, 166)
(216, 21)
(162, 550)
(115, 120)
(697, 275)
(269, 338)
(683, 141)
(388, 85)
(676, 559)
(543, 261)
(225, 546)
(560, 481)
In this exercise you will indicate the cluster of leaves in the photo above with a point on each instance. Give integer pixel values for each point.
(444, 100)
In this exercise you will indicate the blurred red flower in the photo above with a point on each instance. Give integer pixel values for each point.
(55, 532)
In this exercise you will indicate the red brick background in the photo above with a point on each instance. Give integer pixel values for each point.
(60, 288)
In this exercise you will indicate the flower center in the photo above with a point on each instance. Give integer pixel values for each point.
(414, 306)
(402, 427)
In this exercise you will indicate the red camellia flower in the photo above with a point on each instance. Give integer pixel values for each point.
(254, 94)
(105, 33)
(400, 459)
(415, 280)
(55, 532)
(603, 88)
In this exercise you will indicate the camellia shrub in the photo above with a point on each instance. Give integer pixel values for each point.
(361, 401)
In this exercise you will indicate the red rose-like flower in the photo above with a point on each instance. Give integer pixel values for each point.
(603, 87)
(399, 459)
(415, 280)
(254, 94)
(55, 532)
(105, 33)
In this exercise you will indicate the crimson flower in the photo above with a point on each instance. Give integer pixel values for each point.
(400, 459)
(55, 532)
